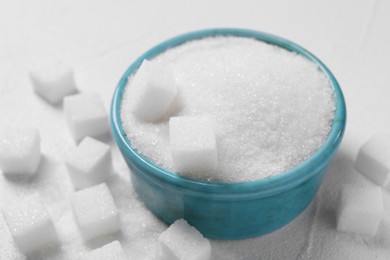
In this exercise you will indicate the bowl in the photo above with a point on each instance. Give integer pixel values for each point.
(228, 211)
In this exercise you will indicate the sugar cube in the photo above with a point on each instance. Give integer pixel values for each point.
(52, 80)
(373, 159)
(95, 212)
(154, 91)
(111, 251)
(193, 145)
(30, 225)
(360, 209)
(86, 115)
(183, 242)
(89, 164)
(19, 150)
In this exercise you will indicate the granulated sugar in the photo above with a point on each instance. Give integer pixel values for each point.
(271, 108)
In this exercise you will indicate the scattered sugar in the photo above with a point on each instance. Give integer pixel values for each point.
(271, 108)
(112, 251)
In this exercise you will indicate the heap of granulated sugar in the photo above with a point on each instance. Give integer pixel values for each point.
(271, 108)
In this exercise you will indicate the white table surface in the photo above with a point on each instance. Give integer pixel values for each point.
(99, 39)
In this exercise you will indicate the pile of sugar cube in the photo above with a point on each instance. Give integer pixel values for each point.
(361, 208)
(194, 150)
(192, 138)
(89, 166)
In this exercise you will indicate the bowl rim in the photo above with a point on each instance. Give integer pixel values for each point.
(267, 186)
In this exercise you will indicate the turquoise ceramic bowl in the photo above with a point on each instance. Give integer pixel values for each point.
(228, 210)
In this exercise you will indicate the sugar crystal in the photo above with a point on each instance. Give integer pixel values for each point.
(271, 108)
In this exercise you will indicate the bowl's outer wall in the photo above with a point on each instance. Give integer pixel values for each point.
(220, 211)
(224, 218)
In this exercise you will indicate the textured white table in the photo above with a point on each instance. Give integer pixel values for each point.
(99, 39)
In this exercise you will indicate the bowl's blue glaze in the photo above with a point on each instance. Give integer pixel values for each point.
(228, 210)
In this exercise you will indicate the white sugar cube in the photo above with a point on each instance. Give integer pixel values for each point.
(360, 209)
(95, 212)
(89, 164)
(52, 80)
(183, 242)
(30, 225)
(86, 115)
(373, 159)
(19, 150)
(154, 89)
(193, 145)
(111, 251)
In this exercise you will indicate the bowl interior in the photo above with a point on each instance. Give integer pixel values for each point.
(267, 186)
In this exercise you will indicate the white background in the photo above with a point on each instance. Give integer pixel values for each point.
(99, 39)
